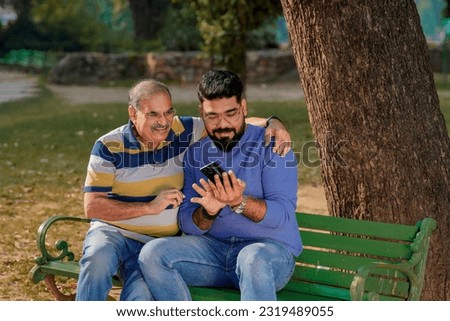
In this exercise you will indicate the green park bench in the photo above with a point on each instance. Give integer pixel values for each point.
(343, 259)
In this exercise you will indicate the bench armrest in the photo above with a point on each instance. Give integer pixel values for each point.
(414, 269)
(357, 288)
(61, 245)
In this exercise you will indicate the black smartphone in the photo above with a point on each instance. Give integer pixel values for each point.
(212, 169)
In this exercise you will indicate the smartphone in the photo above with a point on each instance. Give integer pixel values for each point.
(212, 169)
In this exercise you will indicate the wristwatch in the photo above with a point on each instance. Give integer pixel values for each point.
(239, 209)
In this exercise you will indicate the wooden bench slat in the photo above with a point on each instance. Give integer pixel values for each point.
(323, 260)
(285, 295)
(308, 292)
(221, 294)
(214, 294)
(358, 227)
(330, 293)
(386, 286)
(356, 245)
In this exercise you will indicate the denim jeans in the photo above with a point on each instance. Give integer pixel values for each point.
(107, 252)
(258, 268)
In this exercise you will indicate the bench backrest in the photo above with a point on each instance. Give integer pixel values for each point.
(335, 248)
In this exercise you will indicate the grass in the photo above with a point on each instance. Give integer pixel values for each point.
(44, 149)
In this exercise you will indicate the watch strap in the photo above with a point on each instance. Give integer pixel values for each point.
(241, 207)
(270, 118)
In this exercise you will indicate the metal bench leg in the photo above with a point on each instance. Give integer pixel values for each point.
(51, 285)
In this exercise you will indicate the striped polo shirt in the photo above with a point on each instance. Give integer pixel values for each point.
(122, 167)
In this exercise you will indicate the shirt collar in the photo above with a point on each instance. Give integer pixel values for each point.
(129, 139)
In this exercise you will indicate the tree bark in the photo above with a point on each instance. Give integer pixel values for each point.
(374, 110)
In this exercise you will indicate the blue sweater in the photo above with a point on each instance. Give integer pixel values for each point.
(267, 176)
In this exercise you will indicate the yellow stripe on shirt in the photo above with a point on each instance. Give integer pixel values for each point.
(151, 186)
(99, 179)
(156, 231)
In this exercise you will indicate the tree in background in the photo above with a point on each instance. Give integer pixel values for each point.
(228, 28)
(374, 110)
(224, 26)
(148, 17)
(22, 33)
(71, 25)
(68, 25)
(180, 30)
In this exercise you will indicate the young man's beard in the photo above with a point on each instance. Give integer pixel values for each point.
(225, 143)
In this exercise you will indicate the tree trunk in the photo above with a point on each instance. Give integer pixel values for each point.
(374, 110)
(148, 17)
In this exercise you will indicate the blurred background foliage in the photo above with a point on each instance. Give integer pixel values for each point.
(225, 27)
(223, 30)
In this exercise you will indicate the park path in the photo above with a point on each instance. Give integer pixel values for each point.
(16, 85)
(180, 93)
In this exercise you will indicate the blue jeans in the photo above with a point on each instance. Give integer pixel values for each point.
(259, 268)
(106, 252)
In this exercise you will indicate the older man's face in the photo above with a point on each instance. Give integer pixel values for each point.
(154, 119)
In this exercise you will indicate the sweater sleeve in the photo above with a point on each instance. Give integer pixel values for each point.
(187, 208)
(280, 182)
